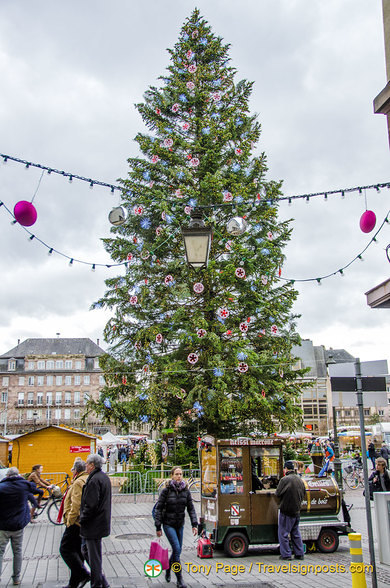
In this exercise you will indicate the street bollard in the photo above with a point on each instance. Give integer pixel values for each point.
(357, 565)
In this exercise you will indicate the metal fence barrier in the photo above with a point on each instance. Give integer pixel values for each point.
(134, 482)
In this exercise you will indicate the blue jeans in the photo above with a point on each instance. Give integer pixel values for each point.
(289, 526)
(16, 538)
(175, 538)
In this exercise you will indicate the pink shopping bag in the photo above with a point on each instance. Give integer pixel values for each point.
(157, 551)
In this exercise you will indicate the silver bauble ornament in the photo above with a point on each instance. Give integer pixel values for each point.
(236, 226)
(117, 216)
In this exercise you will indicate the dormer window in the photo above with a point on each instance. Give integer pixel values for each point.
(11, 365)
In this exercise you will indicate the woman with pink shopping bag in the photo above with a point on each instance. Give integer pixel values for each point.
(173, 501)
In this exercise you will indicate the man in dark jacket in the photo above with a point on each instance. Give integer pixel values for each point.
(380, 479)
(385, 453)
(372, 453)
(95, 517)
(290, 491)
(14, 516)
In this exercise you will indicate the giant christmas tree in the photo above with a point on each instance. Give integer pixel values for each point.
(210, 346)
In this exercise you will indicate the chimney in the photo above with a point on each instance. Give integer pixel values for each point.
(18, 341)
(97, 341)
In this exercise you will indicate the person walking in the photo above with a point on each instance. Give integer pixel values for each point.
(371, 453)
(70, 547)
(172, 503)
(380, 478)
(95, 517)
(290, 491)
(14, 516)
(385, 453)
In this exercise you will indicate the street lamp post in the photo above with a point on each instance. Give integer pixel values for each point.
(197, 240)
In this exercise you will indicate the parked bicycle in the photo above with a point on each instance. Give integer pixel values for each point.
(353, 476)
(193, 485)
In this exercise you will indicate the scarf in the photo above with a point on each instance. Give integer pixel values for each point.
(178, 485)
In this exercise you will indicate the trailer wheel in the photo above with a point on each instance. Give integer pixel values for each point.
(328, 541)
(236, 544)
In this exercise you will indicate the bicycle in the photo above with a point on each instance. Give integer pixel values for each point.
(354, 476)
(193, 486)
(52, 505)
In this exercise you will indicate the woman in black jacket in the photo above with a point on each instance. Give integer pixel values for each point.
(172, 503)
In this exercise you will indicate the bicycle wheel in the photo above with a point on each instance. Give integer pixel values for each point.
(194, 488)
(352, 481)
(52, 512)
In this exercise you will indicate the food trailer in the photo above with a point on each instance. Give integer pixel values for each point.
(239, 508)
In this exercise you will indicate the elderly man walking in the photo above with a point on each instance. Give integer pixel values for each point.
(95, 517)
(70, 548)
(14, 516)
(290, 491)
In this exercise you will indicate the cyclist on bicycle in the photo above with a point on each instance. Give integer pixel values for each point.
(40, 483)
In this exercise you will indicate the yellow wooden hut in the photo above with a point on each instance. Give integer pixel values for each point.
(55, 447)
(4, 451)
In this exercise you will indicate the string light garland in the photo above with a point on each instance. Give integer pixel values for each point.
(72, 176)
(113, 187)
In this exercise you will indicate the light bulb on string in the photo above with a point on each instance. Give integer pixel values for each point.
(93, 268)
(91, 184)
(341, 272)
(326, 197)
(31, 237)
(5, 159)
(70, 179)
(50, 251)
(70, 262)
(360, 257)
(307, 199)
(289, 201)
(342, 194)
(319, 281)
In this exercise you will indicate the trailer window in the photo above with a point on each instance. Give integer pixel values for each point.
(230, 467)
(265, 466)
(209, 471)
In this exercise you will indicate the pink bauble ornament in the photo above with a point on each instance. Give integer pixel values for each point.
(25, 213)
(367, 221)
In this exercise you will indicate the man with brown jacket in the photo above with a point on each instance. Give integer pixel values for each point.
(70, 548)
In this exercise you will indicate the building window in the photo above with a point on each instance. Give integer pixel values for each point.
(58, 380)
(30, 381)
(20, 398)
(77, 380)
(102, 381)
(49, 380)
(67, 414)
(41, 365)
(68, 397)
(59, 364)
(76, 413)
(49, 398)
(86, 397)
(21, 380)
(11, 365)
(366, 412)
(96, 363)
(31, 365)
(347, 413)
(29, 415)
(4, 397)
(40, 398)
(40, 380)
(68, 364)
(381, 412)
(57, 414)
(58, 398)
(48, 414)
(78, 364)
(50, 364)
(68, 380)
(77, 397)
(30, 398)
(87, 380)
(6, 381)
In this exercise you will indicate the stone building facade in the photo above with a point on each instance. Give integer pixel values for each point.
(48, 381)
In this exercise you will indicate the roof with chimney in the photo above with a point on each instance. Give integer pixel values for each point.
(57, 346)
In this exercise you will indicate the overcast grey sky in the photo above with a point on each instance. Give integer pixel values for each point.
(70, 74)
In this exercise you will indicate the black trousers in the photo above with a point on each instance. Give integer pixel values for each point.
(70, 550)
(92, 551)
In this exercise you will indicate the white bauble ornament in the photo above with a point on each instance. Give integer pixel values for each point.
(117, 216)
(236, 226)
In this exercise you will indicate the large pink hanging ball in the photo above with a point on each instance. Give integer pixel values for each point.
(25, 213)
(367, 221)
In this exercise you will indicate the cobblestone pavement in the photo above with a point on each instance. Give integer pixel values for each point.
(127, 549)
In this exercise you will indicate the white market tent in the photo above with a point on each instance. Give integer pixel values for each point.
(108, 439)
